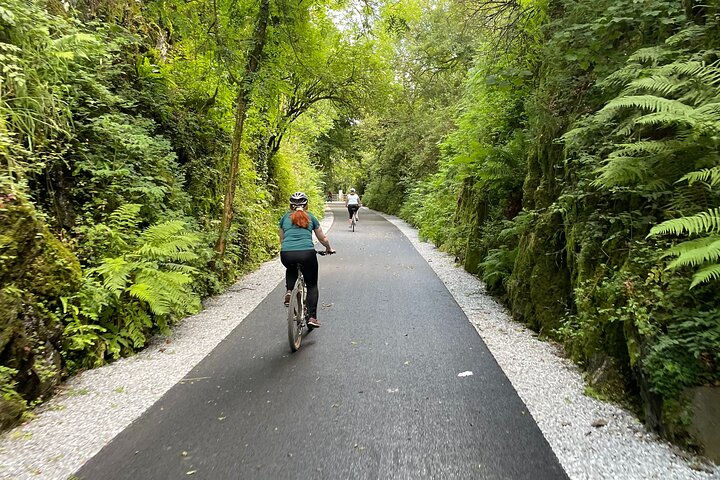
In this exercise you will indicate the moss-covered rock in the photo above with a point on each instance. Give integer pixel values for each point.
(539, 287)
(12, 405)
(36, 270)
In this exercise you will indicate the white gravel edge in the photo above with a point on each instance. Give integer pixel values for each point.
(552, 388)
(98, 404)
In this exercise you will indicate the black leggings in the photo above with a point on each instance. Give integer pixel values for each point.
(309, 266)
(352, 209)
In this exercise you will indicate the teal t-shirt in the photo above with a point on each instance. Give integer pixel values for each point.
(297, 238)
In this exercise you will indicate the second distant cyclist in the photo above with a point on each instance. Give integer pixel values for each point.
(353, 204)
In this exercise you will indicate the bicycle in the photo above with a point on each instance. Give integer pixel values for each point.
(353, 219)
(297, 310)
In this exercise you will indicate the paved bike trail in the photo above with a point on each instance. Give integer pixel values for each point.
(373, 394)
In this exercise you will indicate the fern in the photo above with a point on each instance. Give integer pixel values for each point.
(662, 132)
(126, 217)
(134, 329)
(668, 119)
(115, 273)
(143, 288)
(497, 267)
(697, 252)
(694, 70)
(649, 55)
(708, 252)
(622, 171)
(710, 176)
(703, 222)
(620, 78)
(657, 85)
(650, 148)
(645, 102)
(692, 33)
(706, 274)
(168, 241)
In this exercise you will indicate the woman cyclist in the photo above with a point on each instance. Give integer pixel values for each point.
(296, 247)
(352, 202)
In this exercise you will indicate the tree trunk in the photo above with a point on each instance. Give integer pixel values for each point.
(243, 99)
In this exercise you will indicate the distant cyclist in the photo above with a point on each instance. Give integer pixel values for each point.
(296, 247)
(353, 204)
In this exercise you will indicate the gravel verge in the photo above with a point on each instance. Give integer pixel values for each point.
(94, 406)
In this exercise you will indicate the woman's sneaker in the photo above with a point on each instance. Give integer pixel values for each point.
(314, 322)
(286, 301)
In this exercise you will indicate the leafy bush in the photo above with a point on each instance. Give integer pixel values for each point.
(142, 288)
(121, 161)
(686, 354)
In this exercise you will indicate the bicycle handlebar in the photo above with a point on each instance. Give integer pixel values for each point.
(323, 252)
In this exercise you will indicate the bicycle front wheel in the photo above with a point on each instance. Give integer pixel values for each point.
(295, 320)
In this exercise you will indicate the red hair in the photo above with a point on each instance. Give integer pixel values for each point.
(300, 218)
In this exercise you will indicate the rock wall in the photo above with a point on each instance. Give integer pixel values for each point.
(36, 270)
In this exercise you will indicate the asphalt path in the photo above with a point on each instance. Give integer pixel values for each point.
(375, 393)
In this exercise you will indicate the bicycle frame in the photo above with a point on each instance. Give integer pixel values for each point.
(297, 311)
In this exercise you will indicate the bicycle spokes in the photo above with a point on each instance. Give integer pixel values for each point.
(296, 317)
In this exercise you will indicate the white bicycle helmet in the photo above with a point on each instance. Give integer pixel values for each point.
(298, 199)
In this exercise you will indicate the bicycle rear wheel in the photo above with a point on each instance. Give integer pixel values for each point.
(296, 311)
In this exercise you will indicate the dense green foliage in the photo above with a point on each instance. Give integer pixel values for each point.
(574, 149)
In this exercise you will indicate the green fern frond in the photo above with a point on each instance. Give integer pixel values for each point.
(697, 71)
(169, 241)
(711, 113)
(694, 257)
(173, 278)
(179, 267)
(650, 103)
(70, 42)
(706, 274)
(177, 249)
(691, 33)
(686, 198)
(622, 77)
(159, 304)
(161, 232)
(135, 326)
(656, 185)
(649, 55)
(622, 171)
(627, 127)
(166, 291)
(688, 245)
(115, 273)
(667, 119)
(645, 148)
(711, 176)
(127, 215)
(708, 221)
(657, 85)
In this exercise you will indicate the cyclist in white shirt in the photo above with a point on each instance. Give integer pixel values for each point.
(353, 204)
